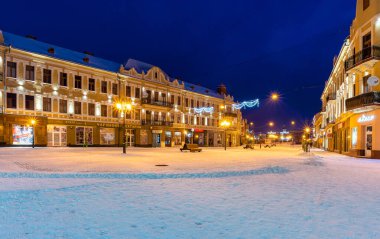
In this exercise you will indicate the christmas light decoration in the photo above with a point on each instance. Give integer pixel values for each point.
(204, 109)
(249, 104)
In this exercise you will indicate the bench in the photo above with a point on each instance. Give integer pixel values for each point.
(191, 148)
(249, 146)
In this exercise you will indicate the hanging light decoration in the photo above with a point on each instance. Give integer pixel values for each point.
(204, 109)
(249, 104)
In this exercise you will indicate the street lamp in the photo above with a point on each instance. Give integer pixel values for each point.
(124, 108)
(293, 122)
(271, 124)
(274, 96)
(33, 123)
(225, 124)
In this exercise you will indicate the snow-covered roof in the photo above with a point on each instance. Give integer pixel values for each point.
(42, 48)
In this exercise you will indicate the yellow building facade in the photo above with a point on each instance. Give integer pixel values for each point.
(350, 116)
(71, 95)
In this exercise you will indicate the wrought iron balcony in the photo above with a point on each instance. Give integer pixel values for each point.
(366, 54)
(156, 123)
(367, 99)
(156, 102)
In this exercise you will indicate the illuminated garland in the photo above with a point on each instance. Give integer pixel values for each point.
(204, 109)
(249, 104)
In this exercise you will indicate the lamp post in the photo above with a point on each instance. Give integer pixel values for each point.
(225, 124)
(124, 107)
(33, 123)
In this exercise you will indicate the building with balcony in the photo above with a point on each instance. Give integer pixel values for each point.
(71, 95)
(350, 119)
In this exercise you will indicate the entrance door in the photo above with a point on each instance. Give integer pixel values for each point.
(130, 137)
(56, 135)
(156, 140)
(368, 141)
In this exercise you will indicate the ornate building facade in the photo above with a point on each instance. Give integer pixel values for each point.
(71, 96)
(349, 122)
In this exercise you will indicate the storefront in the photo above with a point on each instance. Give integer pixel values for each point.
(57, 135)
(365, 134)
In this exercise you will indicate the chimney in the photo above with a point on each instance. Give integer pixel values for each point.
(51, 50)
(86, 59)
(222, 89)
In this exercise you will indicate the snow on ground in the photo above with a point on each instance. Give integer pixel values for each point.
(262, 193)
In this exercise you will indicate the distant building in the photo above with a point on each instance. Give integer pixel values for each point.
(71, 95)
(349, 122)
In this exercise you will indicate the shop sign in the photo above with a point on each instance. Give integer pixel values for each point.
(198, 130)
(156, 131)
(107, 125)
(366, 118)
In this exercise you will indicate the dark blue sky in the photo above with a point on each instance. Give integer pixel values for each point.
(254, 47)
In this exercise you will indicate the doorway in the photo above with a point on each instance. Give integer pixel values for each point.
(368, 141)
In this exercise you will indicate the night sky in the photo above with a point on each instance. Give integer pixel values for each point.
(253, 47)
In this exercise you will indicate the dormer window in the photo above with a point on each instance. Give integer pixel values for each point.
(51, 50)
(155, 75)
(86, 59)
(366, 4)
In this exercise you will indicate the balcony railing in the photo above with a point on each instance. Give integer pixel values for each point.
(366, 54)
(156, 123)
(156, 102)
(367, 99)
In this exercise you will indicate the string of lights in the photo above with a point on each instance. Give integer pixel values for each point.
(204, 109)
(249, 104)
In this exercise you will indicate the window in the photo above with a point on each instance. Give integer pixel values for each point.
(91, 109)
(115, 113)
(63, 79)
(156, 96)
(104, 110)
(29, 73)
(83, 135)
(367, 42)
(62, 106)
(11, 69)
(192, 103)
(114, 89)
(366, 4)
(137, 114)
(104, 87)
(163, 97)
(12, 100)
(107, 136)
(353, 90)
(47, 76)
(365, 84)
(137, 93)
(78, 82)
(197, 103)
(179, 100)
(187, 102)
(172, 99)
(47, 104)
(77, 108)
(29, 102)
(91, 84)
(128, 91)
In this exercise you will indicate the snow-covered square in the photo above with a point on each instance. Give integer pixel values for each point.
(263, 193)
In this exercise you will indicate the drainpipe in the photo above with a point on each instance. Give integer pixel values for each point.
(5, 75)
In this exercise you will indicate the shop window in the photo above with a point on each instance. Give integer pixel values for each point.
(128, 91)
(78, 82)
(29, 73)
(57, 135)
(47, 76)
(130, 133)
(91, 109)
(104, 111)
(77, 107)
(63, 106)
(47, 104)
(83, 135)
(137, 93)
(11, 69)
(91, 84)
(107, 136)
(104, 87)
(22, 135)
(63, 79)
(29, 102)
(11, 100)
(114, 89)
